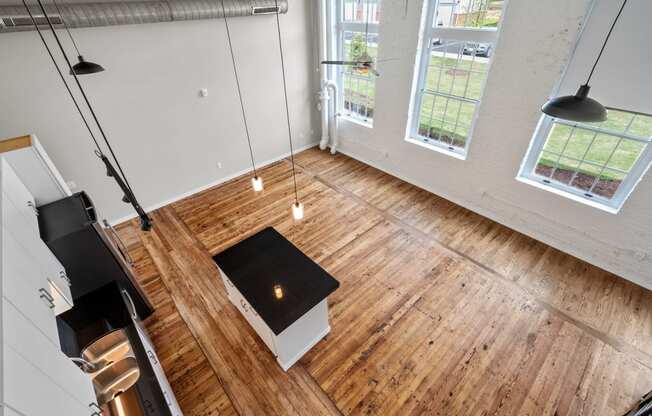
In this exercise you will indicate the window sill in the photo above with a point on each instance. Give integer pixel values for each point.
(357, 121)
(569, 195)
(461, 155)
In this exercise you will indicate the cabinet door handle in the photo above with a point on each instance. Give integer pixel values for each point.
(33, 207)
(152, 357)
(244, 305)
(65, 277)
(96, 406)
(118, 241)
(45, 295)
(131, 306)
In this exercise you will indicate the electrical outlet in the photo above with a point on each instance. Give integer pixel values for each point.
(72, 185)
(203, 93)
(219, 165)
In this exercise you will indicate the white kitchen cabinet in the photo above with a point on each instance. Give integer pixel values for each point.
(36, 378)
(26, 288)
(33, 347)
(31, 392)
(33, 166)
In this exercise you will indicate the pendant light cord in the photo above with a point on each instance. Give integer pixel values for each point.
(63, 79)
(65, 25)
(237, 83)
(287, 108)
(83, 93)
(606, 40)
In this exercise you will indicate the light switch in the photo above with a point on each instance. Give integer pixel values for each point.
(203, 93)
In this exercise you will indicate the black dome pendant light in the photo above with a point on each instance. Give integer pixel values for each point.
(256, 181)
(117, 174)
(580, 107)
(297, 207)
(82, 67)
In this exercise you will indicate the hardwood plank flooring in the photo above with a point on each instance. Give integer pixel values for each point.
(440, 310)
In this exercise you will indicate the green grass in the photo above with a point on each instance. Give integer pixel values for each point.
(600, 149)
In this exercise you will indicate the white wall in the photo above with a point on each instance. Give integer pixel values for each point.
(536, 41)
(167, 138)
(622, 77)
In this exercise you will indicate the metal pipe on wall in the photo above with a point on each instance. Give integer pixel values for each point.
(15, 18)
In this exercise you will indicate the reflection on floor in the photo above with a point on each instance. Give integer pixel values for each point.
(440, 311)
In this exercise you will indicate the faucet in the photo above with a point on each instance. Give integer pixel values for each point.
(84, 365)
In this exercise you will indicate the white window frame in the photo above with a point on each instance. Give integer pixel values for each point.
(461, 34)
(342, 26)
(614, 204)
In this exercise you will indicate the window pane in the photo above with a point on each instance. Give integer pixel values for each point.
(558, 137)
(358, 84)
(602, 148)
(446, 120)
(608, 184)
(455, 68)
(359, 10)
(626, 155)
(590, 160)
(546, 163)
(565, 170)
(468, 13)
(641, 126)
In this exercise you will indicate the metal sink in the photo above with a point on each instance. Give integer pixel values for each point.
(115, 366)
(115, 379)
(109, 349)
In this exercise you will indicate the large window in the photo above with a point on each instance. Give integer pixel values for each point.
(459, 41)
(600, 162)
(357, 86)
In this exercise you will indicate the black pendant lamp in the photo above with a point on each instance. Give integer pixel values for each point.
(83, 67)
(116, 173)
(580, 107)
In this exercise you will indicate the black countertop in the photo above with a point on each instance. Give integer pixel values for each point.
(264, 263)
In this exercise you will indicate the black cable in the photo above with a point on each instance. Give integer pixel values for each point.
(606, 40)
(287, 108)
(237, 82)
(65, 25)
(63, 79)
(83, 93)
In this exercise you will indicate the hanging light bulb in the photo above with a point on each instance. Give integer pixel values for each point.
(278, 291)
(297, 207)
(257, 183)
(297, 210)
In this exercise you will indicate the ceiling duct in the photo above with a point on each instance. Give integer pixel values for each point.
(15, 18)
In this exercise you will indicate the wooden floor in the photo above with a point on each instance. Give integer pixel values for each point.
(440, 311)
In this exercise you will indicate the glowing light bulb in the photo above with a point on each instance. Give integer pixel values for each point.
(257, 183)
(278, 291)
(297, 210)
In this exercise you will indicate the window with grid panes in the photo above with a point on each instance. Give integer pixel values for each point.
(601, 162)
(357, 86)
(459, 41)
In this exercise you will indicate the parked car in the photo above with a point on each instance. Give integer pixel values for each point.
(479, 49)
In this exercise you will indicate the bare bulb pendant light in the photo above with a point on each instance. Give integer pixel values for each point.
(297, 207)
(117, 174)
(256, 181)
(82, 67)
(580, 107)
